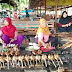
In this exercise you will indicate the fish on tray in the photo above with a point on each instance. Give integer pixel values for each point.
(66, 45)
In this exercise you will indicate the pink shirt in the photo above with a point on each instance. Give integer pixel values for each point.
(43, 37)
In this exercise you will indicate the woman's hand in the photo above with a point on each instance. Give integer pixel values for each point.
(65, 25)
(12, 40)
(1, 40)
(45, 46)
(52, 35)
(70, 24)
(49, 46)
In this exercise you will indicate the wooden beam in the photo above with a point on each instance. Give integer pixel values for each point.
(53, 8)
(40, 11)
(56, 13)
(67, 10)
(19, 7)
(37, 10)
(45, 9)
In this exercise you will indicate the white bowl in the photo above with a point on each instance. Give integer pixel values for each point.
(31, 48)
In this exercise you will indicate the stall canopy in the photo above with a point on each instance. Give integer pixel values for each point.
(60, 2)
(50, 4)
(11, 2)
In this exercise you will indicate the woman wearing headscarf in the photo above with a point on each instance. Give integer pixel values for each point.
(9, 34)
(43, 33)
(65, 23)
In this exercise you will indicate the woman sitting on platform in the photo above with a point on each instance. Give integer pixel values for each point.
(9, 34)
(43, 35)
(65, 23)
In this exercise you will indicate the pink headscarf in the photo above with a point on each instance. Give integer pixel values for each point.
(8, 30)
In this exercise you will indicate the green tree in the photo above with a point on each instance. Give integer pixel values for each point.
(6, 6)
(20, 4)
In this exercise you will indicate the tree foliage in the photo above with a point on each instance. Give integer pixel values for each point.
(20, 4)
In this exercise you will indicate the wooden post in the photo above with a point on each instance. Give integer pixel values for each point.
(19, 7)
(37, 10)
(45, 9)
(61, 10)
(56, 13)
(53, 15)
(40, 11)
(67, 10)
(9, 8)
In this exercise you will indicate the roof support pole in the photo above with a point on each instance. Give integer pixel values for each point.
(53, 15)
(9, 8)
(45, 9)
(56, 13)
(19, 7)
(40, 11)
(37, 10)
(67, 10)
(61, 10)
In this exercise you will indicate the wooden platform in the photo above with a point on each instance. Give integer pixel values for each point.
(29, 27)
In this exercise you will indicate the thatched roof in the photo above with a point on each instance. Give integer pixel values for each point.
(12, 3)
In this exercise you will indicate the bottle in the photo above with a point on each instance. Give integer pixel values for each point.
(4, 47)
